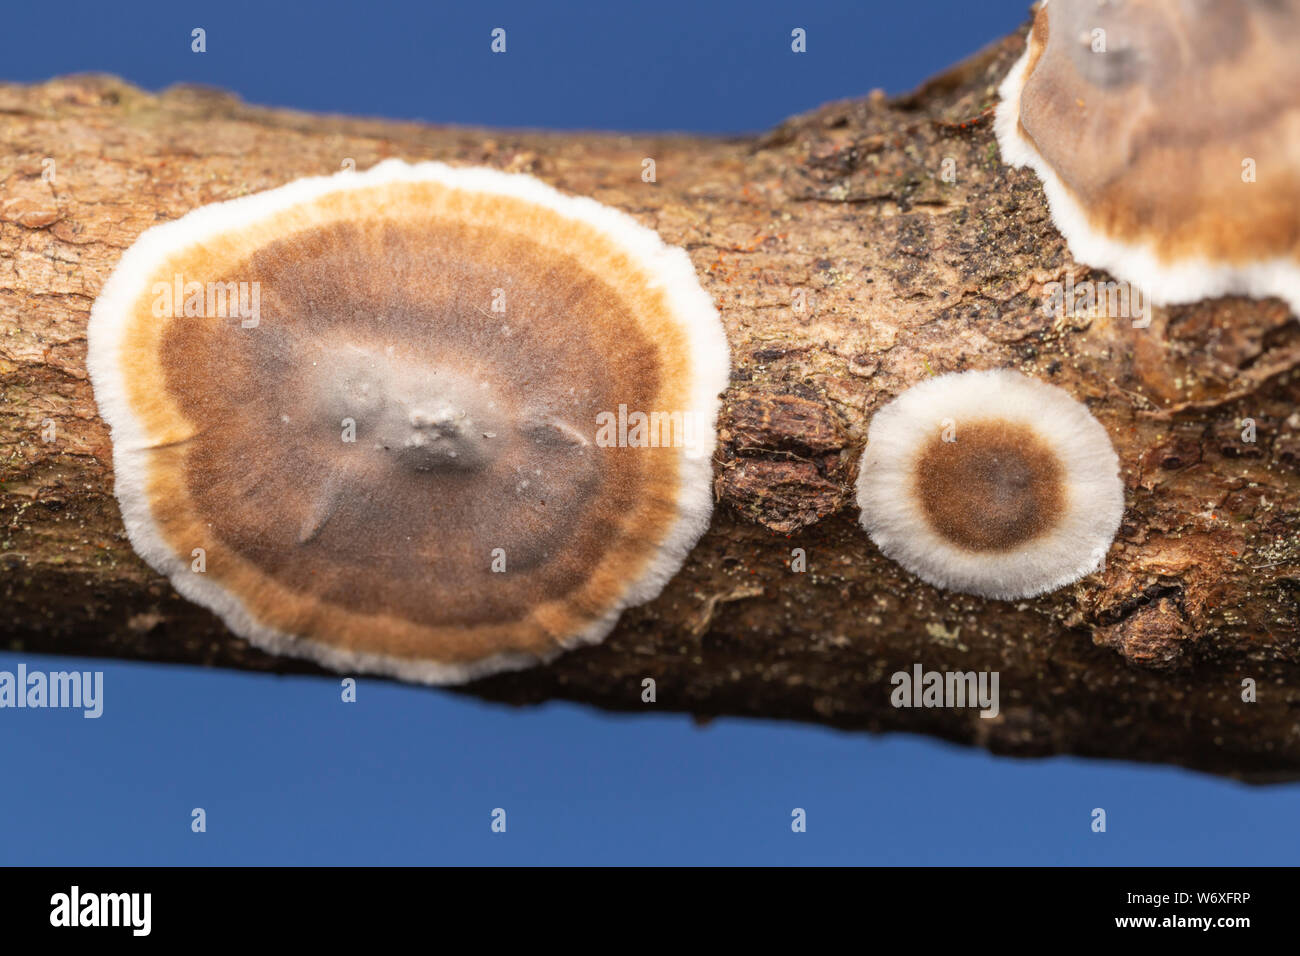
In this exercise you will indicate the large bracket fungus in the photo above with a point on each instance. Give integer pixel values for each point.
(359, 416)
(992, 483)
(1167, 139)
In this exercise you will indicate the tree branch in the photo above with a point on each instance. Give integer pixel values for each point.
(901, 274)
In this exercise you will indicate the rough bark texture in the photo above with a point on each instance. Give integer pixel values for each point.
(904, 275)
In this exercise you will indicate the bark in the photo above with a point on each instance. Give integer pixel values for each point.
(902, 274)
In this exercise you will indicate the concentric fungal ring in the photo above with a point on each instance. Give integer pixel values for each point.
(991, 483)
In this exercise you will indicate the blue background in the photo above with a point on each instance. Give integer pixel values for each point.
(289, 774)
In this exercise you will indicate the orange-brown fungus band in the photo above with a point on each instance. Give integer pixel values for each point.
(392, 461)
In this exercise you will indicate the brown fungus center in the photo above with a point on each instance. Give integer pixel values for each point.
(996, 485)
(384, 432)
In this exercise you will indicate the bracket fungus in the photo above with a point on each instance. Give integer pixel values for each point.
(1167, 139)
(357, 416)
(991, 483)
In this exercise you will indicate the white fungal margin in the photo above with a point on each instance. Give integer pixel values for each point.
(896, 521)
(1164, 282)
(666, 267)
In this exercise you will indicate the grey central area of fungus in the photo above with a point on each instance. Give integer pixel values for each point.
(384, 434)
(423, 418)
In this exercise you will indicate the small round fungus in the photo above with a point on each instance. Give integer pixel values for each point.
(422, 421)
(1167, 139)
(992, 483)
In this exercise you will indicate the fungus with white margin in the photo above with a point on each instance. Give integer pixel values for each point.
(1167, 139)
(991, 483)
(394, 466)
